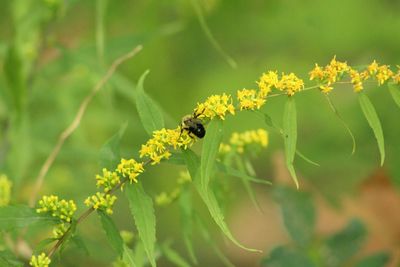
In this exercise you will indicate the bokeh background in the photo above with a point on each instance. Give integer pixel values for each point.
(53, 52)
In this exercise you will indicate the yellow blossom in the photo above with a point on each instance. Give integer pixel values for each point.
(356, 80)
(240, 141)
(101, 201)
(325, 88)
(60, 230)
(108, 180)
(130, 168)
(62, 209)
(266, 82)
(373, 67)
(249, 99)
(5, 190)
(317, 73)
(290, 83)
(396, 78)
(40, 261)
(383, 74)
(224, 148)
(215, 106)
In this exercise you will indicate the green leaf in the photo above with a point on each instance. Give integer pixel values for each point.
(186, 209)
(380, 259)
(139, 255)
(298, 214)
(336, 112)
(149, 113)
(343, 245)
(373, 121)
(290, 135)
(142, 209)
(213, 245)
(12, 217)
(128, 257)
(173, 256)
(193, 164)
(42, 244)
(8, 259)
(306, 159)
(113, 235)
(211, 38)
(394, 90)
(110, 153)
(287, 257)
(237, 173)
(209, 151)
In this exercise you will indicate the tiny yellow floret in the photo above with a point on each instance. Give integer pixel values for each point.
(40, 261)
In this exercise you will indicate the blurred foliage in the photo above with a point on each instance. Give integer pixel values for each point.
(52, 52)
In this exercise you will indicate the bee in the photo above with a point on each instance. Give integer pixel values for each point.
(193, 125)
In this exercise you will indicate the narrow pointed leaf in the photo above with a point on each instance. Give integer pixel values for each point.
(112, 233)
(336, 112)
(290, 136)
(141, 206)
(150, 115)
(306, 159)
(193, 164)
(394, 90)
(128, 257)
(373, 121)
(110, 153)
(210, 149)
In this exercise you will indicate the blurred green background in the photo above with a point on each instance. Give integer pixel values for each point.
(52, 53)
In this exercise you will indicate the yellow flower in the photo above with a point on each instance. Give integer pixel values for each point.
(40, 261)
(373, 67)
(60, 230)
(62, 209)
(356, 80)
(240, 141)
(325, 88)
(130, 168)
(5, 190)
(266, 82)
(290, 83)
(396, 78)
(383, 74)
(215, 105)
(317, 73)
(224, 148)
(108, 180)
(249, 99)
(101, 201)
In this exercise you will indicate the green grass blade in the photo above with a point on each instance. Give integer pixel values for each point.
(336, 112)
(394, 90)
(210, 150)
(373, 121)
(112, 233)
(290, 135)
(210, 36)
(149, 113)
(142, 209)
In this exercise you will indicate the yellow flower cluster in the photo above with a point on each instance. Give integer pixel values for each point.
(157, 148)
(101, 201)
(40, 261)
(108, 180)
(240, 141)
(290, 83)
(62, 209)
(130, 168)
(60, 230)
(266, 82)
(334, 71)
(215, 106)
(5, 190)
(250, 99)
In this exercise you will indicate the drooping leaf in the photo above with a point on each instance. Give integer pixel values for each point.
(142, 209)
(211, 38)
(186, 209)
(149, 113)
(206, 235)
(209, 151)
(128, 257)
(344, 244)
(394, 90)
(112, 233)
(12, 217)
(380, 259)
(110, 152)
(336, 112)
(286, 257)
(173, 256)
(193, 165)
(290, 135)
(298, 214)
(374, 122)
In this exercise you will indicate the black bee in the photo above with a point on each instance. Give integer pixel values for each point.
(193, 125)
